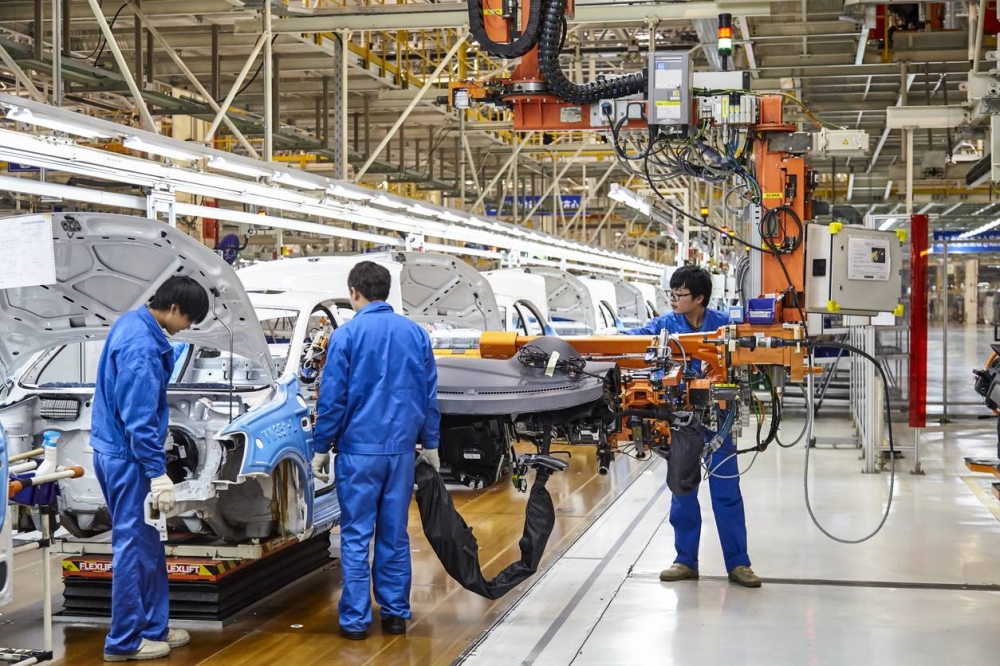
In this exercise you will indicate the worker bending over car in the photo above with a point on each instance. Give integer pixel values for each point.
(128, 433)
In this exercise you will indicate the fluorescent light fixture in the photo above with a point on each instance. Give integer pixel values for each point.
(137, 144)
(243, 168)
(850, 186)
(618, 193)
(448, 216)
(296, 180)
(982, 229)
(417, 209)
(348, 193)
(885, 226)
(888, 190)
(31, 118)
(383, 200)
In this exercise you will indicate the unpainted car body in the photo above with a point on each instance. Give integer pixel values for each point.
(240, 437)
(521, 299)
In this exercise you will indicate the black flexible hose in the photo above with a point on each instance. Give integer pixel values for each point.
(549, 47)
(515, 49)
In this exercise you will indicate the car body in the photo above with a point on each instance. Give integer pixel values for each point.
(604, 294)
(240, 434)
(576, 306)
(630, 303)
(652, 298)
(521, 299)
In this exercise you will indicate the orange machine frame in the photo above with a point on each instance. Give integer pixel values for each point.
(717, 350)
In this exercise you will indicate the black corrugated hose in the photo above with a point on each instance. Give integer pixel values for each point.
(549, 47)
(519, 46)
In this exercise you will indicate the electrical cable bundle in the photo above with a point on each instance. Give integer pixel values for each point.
(533, 356)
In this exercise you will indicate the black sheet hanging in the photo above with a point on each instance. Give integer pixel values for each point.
(687, 442)
(456, 546)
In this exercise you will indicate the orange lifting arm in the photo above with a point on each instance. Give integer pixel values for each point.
(717, 349)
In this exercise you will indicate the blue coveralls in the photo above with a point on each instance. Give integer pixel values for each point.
(128, 431)
(727, 500)
(378, 395)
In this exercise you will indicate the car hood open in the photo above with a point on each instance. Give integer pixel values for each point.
(109, 264)
(439, 288)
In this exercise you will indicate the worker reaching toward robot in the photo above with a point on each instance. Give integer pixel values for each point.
(690, 291)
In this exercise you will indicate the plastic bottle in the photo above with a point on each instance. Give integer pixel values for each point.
(51, 439)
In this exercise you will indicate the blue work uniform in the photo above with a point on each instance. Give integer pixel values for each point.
(378, 395)
(724, 483)
(128, 431)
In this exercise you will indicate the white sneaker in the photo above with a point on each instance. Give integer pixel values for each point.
(178, 638)
(147, 650)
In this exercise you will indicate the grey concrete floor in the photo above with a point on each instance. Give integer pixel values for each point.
(924, 591)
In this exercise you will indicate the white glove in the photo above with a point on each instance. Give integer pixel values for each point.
(431, 457)
(163, 493)
(321, 466)
(610, 330)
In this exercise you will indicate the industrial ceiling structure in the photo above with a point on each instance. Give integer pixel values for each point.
(357, 91)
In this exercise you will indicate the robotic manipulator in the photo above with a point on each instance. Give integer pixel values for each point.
(699, 387)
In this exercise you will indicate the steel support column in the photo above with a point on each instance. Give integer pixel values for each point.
(137, 47)
(38, 30)
(57, 25)
(66, 16)
(268, 89)
(340, 145)
(216, 64)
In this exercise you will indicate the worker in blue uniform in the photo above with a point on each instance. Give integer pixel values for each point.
(128, 432)
(377, 397)
(690, 291)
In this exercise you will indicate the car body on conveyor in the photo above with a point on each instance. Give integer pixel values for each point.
(521, 299)
(240, 436)
(577, 306)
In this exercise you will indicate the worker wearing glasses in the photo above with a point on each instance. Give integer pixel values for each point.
(690, 291)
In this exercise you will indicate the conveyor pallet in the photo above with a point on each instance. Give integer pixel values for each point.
(208, 589)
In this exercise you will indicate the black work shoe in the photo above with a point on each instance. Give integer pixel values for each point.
(354, 635)
(392, 624)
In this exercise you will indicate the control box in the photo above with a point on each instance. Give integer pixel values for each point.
(669, 93)
(853, 270)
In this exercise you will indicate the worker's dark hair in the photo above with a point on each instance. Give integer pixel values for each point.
(184, 292)
(696, 279)
(371, 280)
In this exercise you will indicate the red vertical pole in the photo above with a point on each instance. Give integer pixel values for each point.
(918, 321)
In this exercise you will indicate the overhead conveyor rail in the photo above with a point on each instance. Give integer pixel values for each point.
(323, 198)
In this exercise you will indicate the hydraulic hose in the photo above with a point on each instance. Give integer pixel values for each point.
(549, 46)
(515, 49)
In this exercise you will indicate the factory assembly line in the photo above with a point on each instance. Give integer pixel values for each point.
(174, 397)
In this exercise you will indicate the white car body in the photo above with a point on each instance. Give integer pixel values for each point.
(521, 300)
(651, 298)
(232, 423)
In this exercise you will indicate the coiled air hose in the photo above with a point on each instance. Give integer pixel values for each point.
(549, 46)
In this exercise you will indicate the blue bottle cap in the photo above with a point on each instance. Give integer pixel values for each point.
(51, 437)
